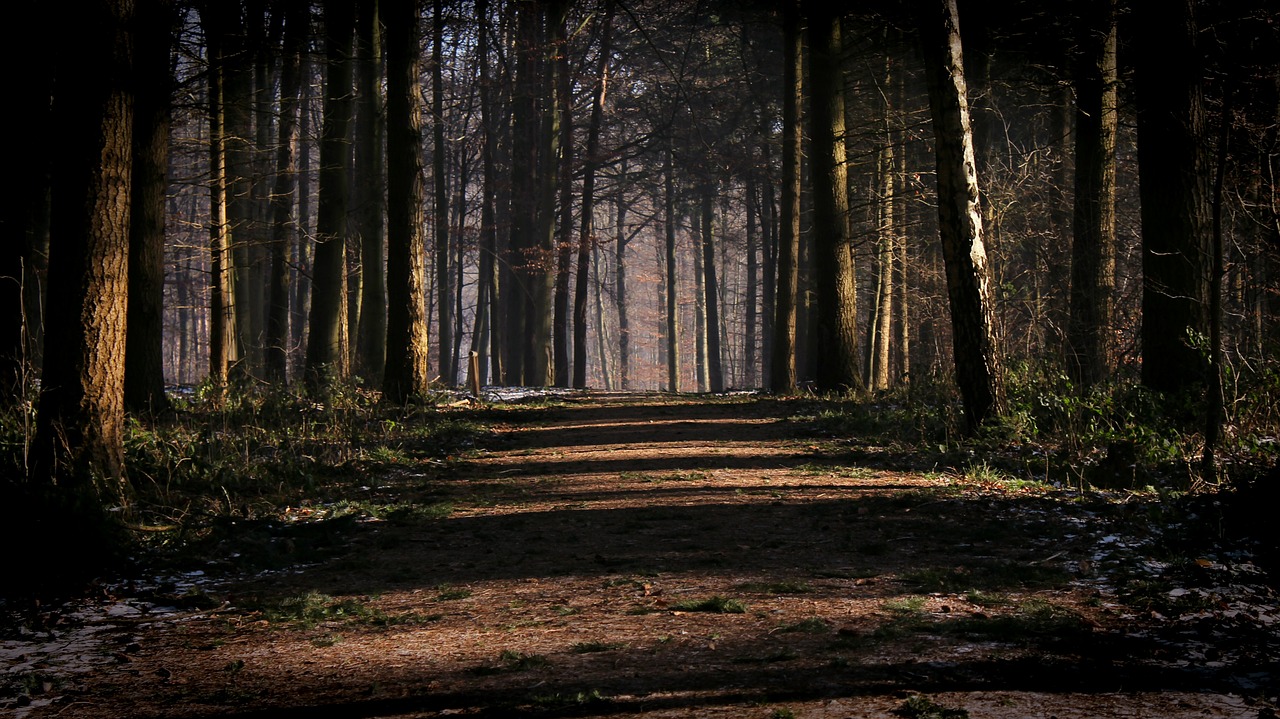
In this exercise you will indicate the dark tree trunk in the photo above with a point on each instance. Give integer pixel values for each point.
(837, 351)
(222, 337)
(444, 284)
(1174, 190)
(326, 358)
(753, 269)
(586, 234)
(487, 282)
(371, 333)
(978, 371)
(782, 363)
(672, 273)
(144, 346)
(715, 367)
(283, 226)
(405, 375)
(1094, 227)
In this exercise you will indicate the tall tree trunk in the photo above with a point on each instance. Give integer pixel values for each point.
(301, 252)
(405, 375)
(620, 291)
(699, 307)
(144, 344)
(564, 230)
(239, 151)
(326, 358)
(487, 282)
(371, 334)
(602, 334)
(586, 233)
(782, 364)
(522, 252)
(78, 451)
(715, 367)
(977, 363)
(1174, 190)
(444, 284)
(222, 337)
(672, 271)
(753, 269)
(283, 226)
(1094, 236)
(837, 368)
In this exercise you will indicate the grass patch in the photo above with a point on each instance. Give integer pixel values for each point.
(452, 594)
(811, 625)
(713, 605)
(596, 647)
(918, 706)
(511, 661)
(985, 577)
(785, 587)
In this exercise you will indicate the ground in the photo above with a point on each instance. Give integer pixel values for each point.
(632, 555)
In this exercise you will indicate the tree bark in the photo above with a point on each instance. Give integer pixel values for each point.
(326, 358)
(283, 226)
(977, 364)
(222, 336)
(78, 451)
(405, 375)
(782, 363)
(444, 283)
(144, 344)
(715, 366)
(672, 273)
(1094, 235)
(1174, 190)
(586, 233)
(371, 333)
(837, 358)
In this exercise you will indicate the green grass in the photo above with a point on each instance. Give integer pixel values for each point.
(596, 647)
(811, 625)
(782, 587)
(714, 605)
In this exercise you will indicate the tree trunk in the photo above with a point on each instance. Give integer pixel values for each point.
(1094, 236)
(522, 258)
(283, 226)
(837, 368)
(782, 365)
(239, 151)
(444, 283)
(1174, 190)
(405, 375)
(222, 337)
(483, 340)
(620, 292)
(586, 234)
(301, 251)
(978, 371)
(326, 359)
(144, 345)
(371, 333)
(672, 272)
(715, 367)
(564, 245)
(78, 451)
(753, 269)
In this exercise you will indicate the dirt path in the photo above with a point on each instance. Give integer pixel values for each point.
(632, 555)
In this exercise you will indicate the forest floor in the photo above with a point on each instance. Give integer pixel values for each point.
(631, 555)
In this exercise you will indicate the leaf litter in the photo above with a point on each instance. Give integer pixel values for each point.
(973, 597)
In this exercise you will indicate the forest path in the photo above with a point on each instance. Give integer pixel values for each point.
(631, 555)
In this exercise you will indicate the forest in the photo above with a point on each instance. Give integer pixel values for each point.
(265, 252)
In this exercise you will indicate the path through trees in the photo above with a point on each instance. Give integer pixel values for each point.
(635, 555)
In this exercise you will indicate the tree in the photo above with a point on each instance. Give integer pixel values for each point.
(405, 374)
(223, 347)
(837, 294)
(715, 368)
(326, 360)
(283, 225)
(586, 233)
(78, 452)
(1094, 227)
(371, 334)
(444, 306)
(1174, 189)
(977, 364)
(672, 270)
(782, 364)
(144, 346)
